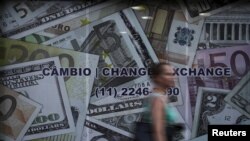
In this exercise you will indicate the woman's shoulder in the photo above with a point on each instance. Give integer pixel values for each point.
(155, 95)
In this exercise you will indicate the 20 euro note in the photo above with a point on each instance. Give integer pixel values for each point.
(82, 20)
(17, 114)
(14, 51)
(27, 78)
(118, 41)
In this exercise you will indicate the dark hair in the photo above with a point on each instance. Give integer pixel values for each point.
(156, 69)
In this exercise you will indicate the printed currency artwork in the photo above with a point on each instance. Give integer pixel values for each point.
(105, 37)
(184, 36)
(15, 108)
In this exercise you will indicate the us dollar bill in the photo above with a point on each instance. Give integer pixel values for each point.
(185, 109)
(78, 114)
(122, 102)
(183, 41)
(126, 121)
(78, 88)
(118, 41)
(24, 11)
(239, 96)
(97, 130)
(17, 114)
(201, 138)
(27, 78)
(211, 108)
(237, 58)
(72, 24)
(196, 10)
(58, 12)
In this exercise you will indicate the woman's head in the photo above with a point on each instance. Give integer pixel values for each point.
(163, 75)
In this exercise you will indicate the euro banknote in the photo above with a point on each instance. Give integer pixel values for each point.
(16, 108)
(236, 58)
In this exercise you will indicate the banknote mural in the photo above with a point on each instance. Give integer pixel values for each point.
(41, 41)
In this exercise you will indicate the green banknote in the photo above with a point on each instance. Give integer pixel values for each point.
(78, 88)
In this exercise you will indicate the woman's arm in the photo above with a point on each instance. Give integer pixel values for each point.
(159, 122)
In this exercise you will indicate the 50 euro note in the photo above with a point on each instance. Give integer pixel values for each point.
(237, 58)
(78, 91)
(27, 78)
(82, 20)
(17, 114)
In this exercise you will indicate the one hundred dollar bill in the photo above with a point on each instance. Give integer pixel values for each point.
(27, 78)
(183, 40)
(239, 97)
(118, 41)
(57, 13)
(78, 88)
(79, 118)
(237, 58)
(195, 10)
(59, 29)
(98, 130)
(211, 108)
(17, 114)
